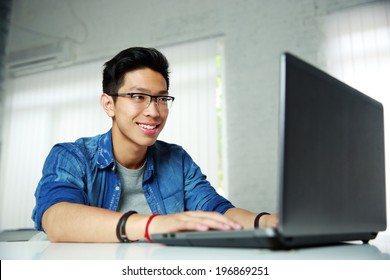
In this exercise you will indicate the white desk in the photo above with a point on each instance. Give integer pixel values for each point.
(378, 249)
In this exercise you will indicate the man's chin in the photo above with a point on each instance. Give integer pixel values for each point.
(148, 143)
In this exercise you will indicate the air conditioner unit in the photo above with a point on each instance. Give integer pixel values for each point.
(39, 58)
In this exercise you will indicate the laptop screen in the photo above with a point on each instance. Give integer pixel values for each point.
(332, 166)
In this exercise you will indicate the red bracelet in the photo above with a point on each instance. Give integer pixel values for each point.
(147, 236)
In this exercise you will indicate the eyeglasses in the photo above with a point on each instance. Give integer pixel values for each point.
(143, 99)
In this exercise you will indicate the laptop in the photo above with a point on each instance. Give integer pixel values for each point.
(331, 172)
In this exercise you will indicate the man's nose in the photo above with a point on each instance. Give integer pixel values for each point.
(152, 108)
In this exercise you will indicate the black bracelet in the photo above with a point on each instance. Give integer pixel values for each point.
(121, 227)
(257, 219)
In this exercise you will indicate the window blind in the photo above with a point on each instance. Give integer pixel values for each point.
(62, 105)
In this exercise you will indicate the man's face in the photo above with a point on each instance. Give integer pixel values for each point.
(138, 124)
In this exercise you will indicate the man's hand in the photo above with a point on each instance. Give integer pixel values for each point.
(192, 221)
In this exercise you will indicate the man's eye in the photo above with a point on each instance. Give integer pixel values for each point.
(138, 97)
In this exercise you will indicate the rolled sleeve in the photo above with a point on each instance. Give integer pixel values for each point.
(62, 181)
(199, 193)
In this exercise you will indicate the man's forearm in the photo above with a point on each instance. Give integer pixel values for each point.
(69, 222)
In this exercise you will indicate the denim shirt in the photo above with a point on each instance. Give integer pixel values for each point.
(84, 172)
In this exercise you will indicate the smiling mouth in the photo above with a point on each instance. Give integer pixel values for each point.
(148, 126)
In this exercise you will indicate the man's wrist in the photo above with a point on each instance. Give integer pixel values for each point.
(256, 223)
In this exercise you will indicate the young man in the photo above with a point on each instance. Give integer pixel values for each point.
(125, 185)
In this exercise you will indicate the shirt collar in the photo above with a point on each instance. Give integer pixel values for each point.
(149, 164)
(105, 155)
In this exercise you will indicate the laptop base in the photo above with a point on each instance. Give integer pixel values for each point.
(266, 239)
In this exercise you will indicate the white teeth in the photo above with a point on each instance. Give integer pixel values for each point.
(147, 126)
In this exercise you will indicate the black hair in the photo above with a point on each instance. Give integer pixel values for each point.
(133, 59)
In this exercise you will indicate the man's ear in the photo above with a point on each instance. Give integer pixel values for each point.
(108, 104)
